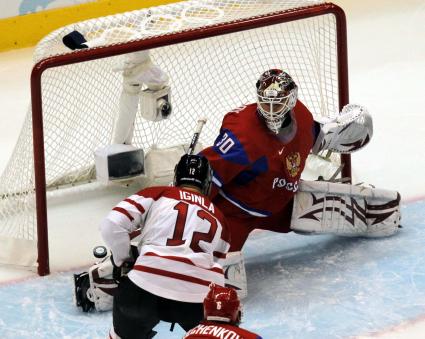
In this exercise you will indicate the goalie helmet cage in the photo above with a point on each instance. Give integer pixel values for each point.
(213, 52)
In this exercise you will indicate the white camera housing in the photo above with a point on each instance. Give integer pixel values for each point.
(156, 105)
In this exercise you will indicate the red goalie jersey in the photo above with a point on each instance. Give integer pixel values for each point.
(256, 172)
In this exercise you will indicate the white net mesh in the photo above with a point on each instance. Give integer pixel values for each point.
(208, 77)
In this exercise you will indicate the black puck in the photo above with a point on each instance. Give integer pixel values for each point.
(100, 252)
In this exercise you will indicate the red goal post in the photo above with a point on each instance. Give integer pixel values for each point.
(183, 39)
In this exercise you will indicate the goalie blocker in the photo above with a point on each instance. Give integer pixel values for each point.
(346, 210)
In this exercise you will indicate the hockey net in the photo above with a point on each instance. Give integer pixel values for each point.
(213, 52)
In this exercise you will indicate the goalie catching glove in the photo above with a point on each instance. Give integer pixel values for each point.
(350, 131)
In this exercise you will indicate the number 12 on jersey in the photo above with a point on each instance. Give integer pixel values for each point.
(181, 220)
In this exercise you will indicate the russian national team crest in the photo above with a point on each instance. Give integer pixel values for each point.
(293, 163)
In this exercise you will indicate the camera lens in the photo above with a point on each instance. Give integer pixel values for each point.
(164, 108)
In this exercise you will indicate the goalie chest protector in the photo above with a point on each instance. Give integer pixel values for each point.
(254, 169)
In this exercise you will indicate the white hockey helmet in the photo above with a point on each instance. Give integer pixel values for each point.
(277, 94)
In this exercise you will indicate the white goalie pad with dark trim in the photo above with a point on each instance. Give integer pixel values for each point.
(96, 288)
(344, 209)
(350, 131)
(102, 285)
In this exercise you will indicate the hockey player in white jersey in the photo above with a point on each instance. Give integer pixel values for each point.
(183, 236)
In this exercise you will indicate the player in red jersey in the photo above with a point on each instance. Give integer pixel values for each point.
(258, 158)
(261, 151)
(183, 235)
(222, 316)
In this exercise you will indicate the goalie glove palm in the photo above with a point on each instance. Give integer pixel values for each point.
(350, 131)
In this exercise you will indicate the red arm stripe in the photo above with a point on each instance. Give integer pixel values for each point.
(123, 211)
(135, 204)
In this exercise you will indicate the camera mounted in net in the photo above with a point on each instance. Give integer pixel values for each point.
(155, 105)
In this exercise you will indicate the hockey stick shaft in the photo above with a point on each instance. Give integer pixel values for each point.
(194, 141)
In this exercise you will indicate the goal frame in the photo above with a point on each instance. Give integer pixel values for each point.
(85, 55)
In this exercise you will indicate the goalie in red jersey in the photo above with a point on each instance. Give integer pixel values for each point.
(260, 153)
(222, 316)
(258, 158)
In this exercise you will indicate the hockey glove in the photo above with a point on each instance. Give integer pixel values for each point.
(74, 40)
(81, 286)
(127, 265)
(350, 131)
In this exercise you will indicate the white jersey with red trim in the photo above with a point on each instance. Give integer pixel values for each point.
(183, 236)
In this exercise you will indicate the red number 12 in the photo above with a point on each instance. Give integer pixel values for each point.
(177, 238)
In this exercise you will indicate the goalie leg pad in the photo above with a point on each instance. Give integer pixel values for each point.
(347, 210)
(96, 288)
(102, 285)
(234, 273)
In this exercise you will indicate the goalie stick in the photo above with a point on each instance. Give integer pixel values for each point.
(233, 265)
(194, 141)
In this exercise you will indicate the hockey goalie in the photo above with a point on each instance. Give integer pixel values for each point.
(261, 151)
(259, 156)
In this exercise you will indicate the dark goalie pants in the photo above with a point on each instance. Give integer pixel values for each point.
(136, 312)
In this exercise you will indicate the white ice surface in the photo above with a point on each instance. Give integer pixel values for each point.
(387, 71)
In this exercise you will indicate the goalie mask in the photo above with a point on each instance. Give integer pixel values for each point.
(193, 170)
(222, 304)
(276, 95)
